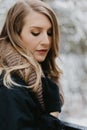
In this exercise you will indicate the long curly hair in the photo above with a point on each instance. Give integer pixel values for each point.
(11, 33)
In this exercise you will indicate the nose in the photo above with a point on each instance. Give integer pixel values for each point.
(45, 39)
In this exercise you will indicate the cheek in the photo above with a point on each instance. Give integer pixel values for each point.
(27, 41)
(50, 45)
(30, 44)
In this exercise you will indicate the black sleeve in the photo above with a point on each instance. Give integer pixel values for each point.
(16, 110)
(19, 110)
(51, 95)
(49, 122)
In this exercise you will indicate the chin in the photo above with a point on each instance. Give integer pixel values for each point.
(40, 60)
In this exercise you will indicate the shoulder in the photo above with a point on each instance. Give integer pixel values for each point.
(16, 95)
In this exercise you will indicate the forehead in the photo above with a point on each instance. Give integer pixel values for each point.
(37, 19)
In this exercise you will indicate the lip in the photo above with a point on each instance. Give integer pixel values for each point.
(42, 51)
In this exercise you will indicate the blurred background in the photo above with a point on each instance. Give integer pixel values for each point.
(72, 17)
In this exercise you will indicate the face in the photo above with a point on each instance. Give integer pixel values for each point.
(37, 35)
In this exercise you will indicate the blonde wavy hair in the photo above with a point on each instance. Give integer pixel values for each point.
(11, 32)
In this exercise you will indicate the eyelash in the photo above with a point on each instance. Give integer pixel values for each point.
(36, 34)
(49, 33)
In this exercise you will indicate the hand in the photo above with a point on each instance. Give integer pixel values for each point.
(55, 114)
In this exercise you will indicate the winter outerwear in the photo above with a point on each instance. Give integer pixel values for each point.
(21, 110)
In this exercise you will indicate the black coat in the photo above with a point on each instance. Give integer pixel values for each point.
(20, 109)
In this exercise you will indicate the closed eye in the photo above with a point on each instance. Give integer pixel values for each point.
(35, 34)
(49, 32)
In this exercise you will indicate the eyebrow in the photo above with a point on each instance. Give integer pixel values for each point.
(39, 27)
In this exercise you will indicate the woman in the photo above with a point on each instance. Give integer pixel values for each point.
(30, 94)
